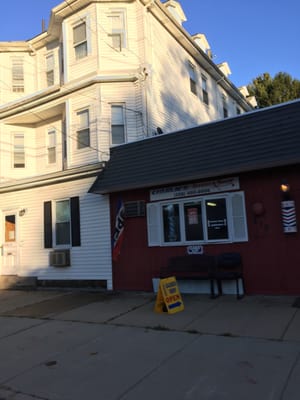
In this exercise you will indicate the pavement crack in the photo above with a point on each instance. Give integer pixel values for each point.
(288, 325)
(292, 369)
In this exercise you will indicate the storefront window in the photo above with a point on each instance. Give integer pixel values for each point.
(193, 221)
(205, 219)
(171, 223)
(216, 218)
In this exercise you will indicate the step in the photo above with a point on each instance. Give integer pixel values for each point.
(17, 282)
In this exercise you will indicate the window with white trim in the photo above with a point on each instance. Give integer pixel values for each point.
(80, 40)
(225, 106)
(19, 150)
(193, 79)
(51, 146)
(117, 32)
(206, 219)
(18, 75)
(62, 223)
(117, 124)
(204, 90)
(50, 69)
(83, 130)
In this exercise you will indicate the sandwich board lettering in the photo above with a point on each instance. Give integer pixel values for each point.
(168, 297)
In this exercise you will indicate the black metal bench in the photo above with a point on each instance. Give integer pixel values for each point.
(199, 267)
(225, 266)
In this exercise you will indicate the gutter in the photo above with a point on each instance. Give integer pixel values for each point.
(53, 178)
(57, 92)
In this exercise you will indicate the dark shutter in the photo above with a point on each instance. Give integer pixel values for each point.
(47, 225)
(75, 221)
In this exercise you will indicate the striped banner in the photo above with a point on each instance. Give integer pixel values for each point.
(288, 216)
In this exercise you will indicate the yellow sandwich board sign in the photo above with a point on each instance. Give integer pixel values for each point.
(168, 297)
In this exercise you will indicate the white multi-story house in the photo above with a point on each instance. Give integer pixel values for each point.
(104, 73)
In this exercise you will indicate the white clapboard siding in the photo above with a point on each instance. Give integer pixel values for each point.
(90, 261)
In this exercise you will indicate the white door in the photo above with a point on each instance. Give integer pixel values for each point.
(10, 244)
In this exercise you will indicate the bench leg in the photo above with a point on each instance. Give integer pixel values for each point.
(212, 290)
(238, 295)
(220, 289)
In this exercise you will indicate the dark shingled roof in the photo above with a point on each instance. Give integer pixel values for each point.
(256, 140)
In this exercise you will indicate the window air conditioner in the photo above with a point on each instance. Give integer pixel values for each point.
(60, 258)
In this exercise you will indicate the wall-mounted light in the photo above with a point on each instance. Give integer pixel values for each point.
(285, 190)
(22, 212)
(288, 211)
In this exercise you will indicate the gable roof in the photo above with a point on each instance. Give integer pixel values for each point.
(265, 138)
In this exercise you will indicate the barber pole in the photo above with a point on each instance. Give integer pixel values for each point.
(288, 216)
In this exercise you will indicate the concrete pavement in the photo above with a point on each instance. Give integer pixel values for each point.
(61, 345)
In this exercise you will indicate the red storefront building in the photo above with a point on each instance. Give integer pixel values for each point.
(226, 186)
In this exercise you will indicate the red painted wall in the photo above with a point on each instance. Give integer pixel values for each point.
(271, 258)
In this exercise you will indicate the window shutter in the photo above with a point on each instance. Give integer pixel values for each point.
(239, 222)
(75, 221)
(47, 225)
(153, 224)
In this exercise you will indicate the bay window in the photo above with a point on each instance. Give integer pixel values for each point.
(80, 40)
(83, 130)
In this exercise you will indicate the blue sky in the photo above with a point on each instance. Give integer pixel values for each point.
(254, 36)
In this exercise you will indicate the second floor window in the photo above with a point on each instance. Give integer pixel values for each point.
(80, 40)
(19, 151)
(117, 125)
(193, 80)
(204, 90)
(18, 75)
(117, 30)
(83, 130)
(50, 69)
(51, 147)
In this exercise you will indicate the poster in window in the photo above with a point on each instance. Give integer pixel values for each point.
(193, 218)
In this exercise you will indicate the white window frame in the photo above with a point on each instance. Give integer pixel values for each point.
(81, 129)
(17, 72)
(235, 216)
(18, 149)
(225, 106)
(205, 97)
(114, 123)
(51, 146)
(50, 69)
(193, 78)
(55, 223)
(118, 32)
(81, 44)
